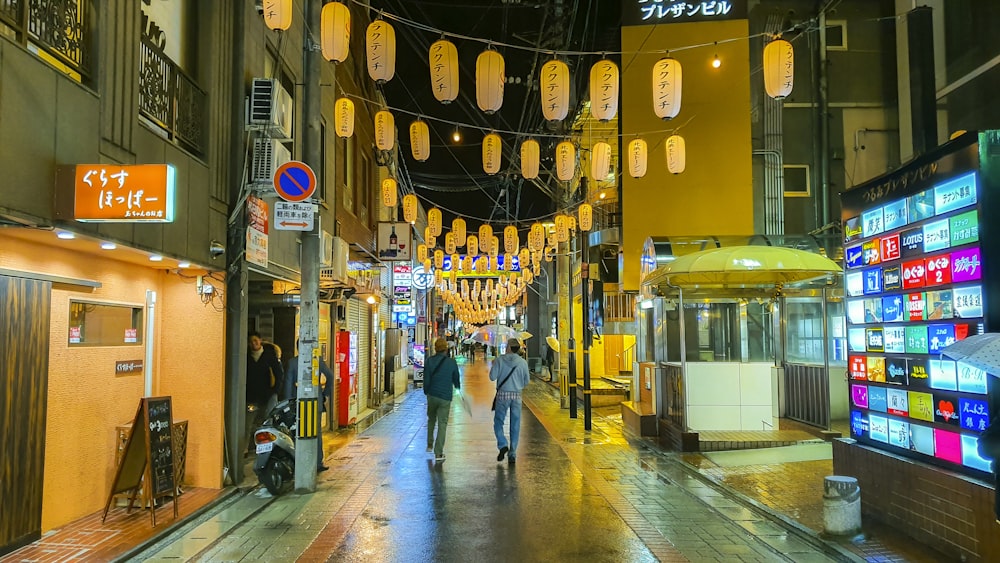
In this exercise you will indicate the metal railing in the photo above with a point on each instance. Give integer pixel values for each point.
(58, 28)
(674, 409)
(607, 216)
(807, 394)
(619, 307)
(171, 99)
(627, 359)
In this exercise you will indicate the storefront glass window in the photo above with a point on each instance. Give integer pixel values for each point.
(102, 324)
(805, 331)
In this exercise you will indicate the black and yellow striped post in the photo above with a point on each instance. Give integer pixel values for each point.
(585, 321)
(308, 418)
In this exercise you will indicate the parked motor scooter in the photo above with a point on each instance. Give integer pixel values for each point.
(275, 439)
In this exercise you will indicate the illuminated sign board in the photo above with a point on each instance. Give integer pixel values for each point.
(141, 193)
(914, 285)
(652, 12)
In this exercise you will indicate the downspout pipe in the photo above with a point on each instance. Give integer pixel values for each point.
(824, 122)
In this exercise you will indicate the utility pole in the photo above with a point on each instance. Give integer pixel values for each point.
(585, 321)
(312, 153)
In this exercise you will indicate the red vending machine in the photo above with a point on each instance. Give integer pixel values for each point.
(347, 385)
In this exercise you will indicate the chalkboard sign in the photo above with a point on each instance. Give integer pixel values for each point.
(148, 459)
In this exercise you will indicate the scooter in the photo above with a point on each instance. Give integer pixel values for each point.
(275, 439)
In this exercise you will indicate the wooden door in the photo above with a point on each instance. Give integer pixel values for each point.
(24, 367)
(612, 354)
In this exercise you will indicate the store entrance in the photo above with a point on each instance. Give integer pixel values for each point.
(24, 353)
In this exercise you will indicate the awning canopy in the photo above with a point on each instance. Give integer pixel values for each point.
(752, 267)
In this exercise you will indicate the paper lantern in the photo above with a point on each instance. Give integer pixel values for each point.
(429, 238)
(492, 148)
(779, 68)
(380, 46)
(410, 208)
(676, 158)
(494, 250)
(427, 265)
(508, 262)
(466, 268)
(472, 245)
(434, 221)
(344, 114)
(438, 278)
(524, 258)
(510, 239)
(562, 228)
(485, 237)
(637, 149)
(385, 130)
(278, 15)
(482, 266)
(548, 254)
(421, 252)
(600, 161)
(667, 88)
(604, 90)
(443, 61)
(449, 243)
(571, 223)
(565, 161)
(489, 80)
(439, 259)
(420, 140)
(529, 159)
(528, 276)
(554, 87)
(586, 213)
(536, 268)
(536, 238)
(456, 261)
(389, 192)
(458, 228)
(335, 32)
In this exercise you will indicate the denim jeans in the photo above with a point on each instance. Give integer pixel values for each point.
(437, 412)
(514, 406)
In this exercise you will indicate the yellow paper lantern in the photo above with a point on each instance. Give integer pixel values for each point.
(439, 259)
(637, 149)
(494, 250)
(453, 275)
(466, 268)
(472, 245)
(429, 238)
(676, 154)
(490, 79)
(456, 261)
(427, 265)
(524, 258)
(571, 222)
(278, 14)
(510, 239)
(389, 192)
(485, 237)
(562, 228)
(529, 159)
(565, 161)
(410, 208)
(667, 88)
(508, 262)
(421, 252)
(600, 161)
(385, 130)
(604, 84)
(344, 114)
(380, 46)
(420, 140)
(335, 32)
(449, 243)
(443, 61)
(586, 213)
(536, 241)
(482, 266)
(554, 87)
(492, 149)
(779, 68)
(438, 277)
(434, 221)
(548, 254)
(458, 227)
(536, 268)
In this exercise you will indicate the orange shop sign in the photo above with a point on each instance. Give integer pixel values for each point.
(128, 194)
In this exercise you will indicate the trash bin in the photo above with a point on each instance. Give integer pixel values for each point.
(841, 505)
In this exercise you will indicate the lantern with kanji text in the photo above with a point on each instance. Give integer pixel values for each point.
(443, 61)
(604, 90)
(667, 88)
(380, 48)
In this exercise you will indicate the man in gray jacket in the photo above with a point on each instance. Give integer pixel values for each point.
(510, 371)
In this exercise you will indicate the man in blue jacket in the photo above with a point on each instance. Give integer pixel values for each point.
(511, 373)
(440, 376)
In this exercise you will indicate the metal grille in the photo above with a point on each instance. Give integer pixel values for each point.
(59, 28)
(807, 394)
(170, 99)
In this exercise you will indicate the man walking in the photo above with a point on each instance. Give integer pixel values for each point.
(511, 373)
(440, 376)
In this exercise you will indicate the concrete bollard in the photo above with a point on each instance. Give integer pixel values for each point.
(841, 505)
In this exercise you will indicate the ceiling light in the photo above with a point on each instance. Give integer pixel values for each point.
(65, 235)
(183, 264)
(603, 195)
(156, 258)
(109, 245)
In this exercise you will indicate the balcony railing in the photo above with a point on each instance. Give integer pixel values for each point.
(170, 99)
(55, 29)
(607, 216)
(619, 307)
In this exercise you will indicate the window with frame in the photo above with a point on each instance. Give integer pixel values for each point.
(836, 35)
(797, 180)
(59, 33)
(104, 324)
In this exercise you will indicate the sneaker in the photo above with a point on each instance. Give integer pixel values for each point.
(439, 457)
(510, 461)
(503, 452)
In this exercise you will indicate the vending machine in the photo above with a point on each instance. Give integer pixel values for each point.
(347, 384)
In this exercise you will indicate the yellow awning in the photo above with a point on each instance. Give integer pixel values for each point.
(744, 266)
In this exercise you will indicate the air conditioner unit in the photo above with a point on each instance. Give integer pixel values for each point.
(268, 156)
(271, 108)
(341, 254)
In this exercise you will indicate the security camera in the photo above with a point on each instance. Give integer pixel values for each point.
(216, 249)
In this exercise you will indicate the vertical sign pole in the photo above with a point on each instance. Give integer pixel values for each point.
(585, 321)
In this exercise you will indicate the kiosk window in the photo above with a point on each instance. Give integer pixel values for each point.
(101, 324)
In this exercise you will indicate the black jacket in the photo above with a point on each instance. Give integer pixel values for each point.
(259, 372)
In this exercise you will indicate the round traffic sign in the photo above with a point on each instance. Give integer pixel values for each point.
(294, 181)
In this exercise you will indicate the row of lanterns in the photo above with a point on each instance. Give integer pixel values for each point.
(554, 78)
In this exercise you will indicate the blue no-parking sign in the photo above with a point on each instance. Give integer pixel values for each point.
(294, 181)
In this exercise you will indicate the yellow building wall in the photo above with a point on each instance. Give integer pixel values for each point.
(596, 349)
(87, 400)
(714, 196)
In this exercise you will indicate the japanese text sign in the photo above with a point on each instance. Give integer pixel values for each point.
(649, 12)
(126, 194)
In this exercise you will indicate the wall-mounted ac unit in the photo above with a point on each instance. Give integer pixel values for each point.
(268, 155)
(271, 108)
(341, 254)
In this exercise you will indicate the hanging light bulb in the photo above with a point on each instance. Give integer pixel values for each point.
(456, 135)
(716, 61)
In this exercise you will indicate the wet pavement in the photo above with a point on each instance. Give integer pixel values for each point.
(573, 495)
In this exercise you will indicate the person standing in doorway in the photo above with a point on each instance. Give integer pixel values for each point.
(263, 381)
(511, 373)
(440, 377)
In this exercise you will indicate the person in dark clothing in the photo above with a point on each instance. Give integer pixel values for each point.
(264, 377)
(326, 385)
(440, 377)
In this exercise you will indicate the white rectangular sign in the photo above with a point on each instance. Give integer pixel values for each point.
(294, 216)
